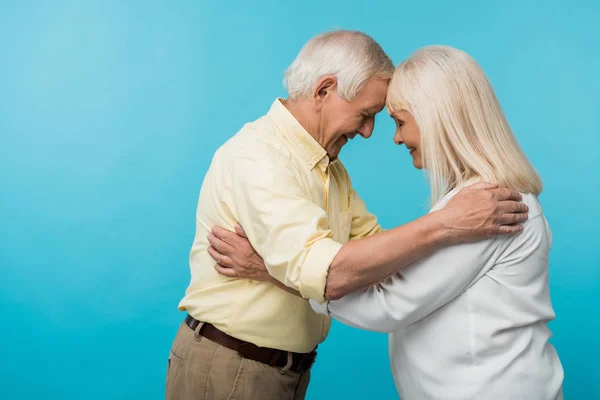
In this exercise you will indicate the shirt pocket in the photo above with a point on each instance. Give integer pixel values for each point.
(344, 227)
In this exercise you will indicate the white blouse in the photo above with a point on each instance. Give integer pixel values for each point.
(469, 321)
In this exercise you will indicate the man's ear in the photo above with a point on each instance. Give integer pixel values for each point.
(324, 89)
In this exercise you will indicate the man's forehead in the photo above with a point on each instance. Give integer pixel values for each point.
(374, 107)
(372, 98)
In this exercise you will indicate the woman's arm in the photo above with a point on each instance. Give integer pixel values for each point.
(400, 300)
(417, 290)
(281, 286)
(430, 283)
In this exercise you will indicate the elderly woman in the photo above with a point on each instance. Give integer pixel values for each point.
(470, 320)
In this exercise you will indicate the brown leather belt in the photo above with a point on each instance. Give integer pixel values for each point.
(275, 358)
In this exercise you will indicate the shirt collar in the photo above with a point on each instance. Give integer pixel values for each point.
(302, 143)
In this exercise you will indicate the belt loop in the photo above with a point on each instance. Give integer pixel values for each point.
(290, 360)
(197, 335)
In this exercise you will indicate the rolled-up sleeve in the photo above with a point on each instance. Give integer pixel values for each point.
(285, 227)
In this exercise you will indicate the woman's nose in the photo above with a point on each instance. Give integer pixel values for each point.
(398, 139)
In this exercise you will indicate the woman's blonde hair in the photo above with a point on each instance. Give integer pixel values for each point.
(464, 133)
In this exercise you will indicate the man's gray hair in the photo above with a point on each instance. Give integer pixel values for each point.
(352, 56)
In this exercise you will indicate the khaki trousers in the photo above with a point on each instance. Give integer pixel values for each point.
(201, 369)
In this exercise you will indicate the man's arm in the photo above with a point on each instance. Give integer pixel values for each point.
(283, 224)
(291, 233)
(373, 258)
(476, 212)
(415, 291)
(235, 250)
(344, 275)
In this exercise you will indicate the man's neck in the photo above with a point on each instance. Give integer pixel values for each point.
(301, 110)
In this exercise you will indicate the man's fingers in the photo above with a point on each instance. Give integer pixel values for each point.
(220, 258)
(483, 185)
(502, 194)
(219, 245)
(511, 219)
(521, 207)
(240, 231)
(228, 272)
(214, 254)
(509, 229)
(224, 234)
(512, 207)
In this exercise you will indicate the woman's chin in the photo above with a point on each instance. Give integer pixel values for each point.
(417, 163)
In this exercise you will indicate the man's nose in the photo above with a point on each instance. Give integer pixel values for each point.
(367, 129)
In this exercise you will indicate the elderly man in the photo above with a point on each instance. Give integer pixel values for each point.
(280, 178)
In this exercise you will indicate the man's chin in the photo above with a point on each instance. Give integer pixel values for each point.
(333, 154)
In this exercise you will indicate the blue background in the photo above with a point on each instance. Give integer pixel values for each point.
(110, 112)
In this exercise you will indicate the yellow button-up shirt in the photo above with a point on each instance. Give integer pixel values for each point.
(297, 209)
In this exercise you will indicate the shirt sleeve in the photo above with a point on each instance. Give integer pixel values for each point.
(363, 222)
(286, 228)
(416, 291)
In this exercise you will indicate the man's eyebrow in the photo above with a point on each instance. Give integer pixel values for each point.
(373, 110)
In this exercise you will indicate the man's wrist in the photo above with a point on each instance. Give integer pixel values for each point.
(441, 231)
